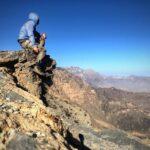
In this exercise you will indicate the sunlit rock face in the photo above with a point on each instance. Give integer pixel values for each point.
(64, 112)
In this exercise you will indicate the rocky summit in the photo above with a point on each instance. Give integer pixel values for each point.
(62, 112)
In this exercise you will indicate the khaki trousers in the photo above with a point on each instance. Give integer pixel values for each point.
(30, 54)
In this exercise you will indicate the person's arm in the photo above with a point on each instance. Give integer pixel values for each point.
(43, 36)
(30, 32)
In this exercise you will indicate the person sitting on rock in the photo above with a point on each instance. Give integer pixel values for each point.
(33, 43)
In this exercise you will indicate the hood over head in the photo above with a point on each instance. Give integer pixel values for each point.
(34, 17)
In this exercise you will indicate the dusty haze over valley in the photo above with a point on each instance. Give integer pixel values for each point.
(130, 83)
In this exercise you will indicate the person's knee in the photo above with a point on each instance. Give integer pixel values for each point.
(26, 44)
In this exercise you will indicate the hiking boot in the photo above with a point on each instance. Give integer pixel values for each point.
(38, 70)
(52, 66)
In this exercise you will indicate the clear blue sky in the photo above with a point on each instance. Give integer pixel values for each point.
(110, 36)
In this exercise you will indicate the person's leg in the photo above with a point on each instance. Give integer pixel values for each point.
(42, 52)
(51, 65)
(27, 46)
(41, 56)
(38, 68)
(41, 64)
(41, 43)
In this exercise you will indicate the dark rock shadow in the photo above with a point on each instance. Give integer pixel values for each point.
(45, 82)
(79, 144)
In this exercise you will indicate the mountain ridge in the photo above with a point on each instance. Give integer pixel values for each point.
(131, 83)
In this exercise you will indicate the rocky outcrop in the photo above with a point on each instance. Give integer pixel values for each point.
(52, 113)
(9, 57)
(24, 118)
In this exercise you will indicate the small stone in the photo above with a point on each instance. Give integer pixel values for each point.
(5, 114)
(3, 106)
(38, 134)
(8, 98)
(16, 112)
(26, 114)
(10, 111)
(16, 109)
(9, 122)
(42, 134)
(12, 133)
(2, 124)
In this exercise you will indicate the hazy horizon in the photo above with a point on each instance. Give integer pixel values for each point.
(111, 73)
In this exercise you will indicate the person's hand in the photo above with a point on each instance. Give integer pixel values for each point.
(36, 50)
(43, 36)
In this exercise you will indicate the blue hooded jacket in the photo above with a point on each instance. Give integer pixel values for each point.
(27, 30)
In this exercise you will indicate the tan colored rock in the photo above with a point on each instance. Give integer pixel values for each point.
(67, 123)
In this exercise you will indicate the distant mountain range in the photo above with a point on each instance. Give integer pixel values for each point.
(127, 83)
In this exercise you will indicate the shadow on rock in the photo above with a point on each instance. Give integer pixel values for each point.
(79, 144)
(45, 82)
